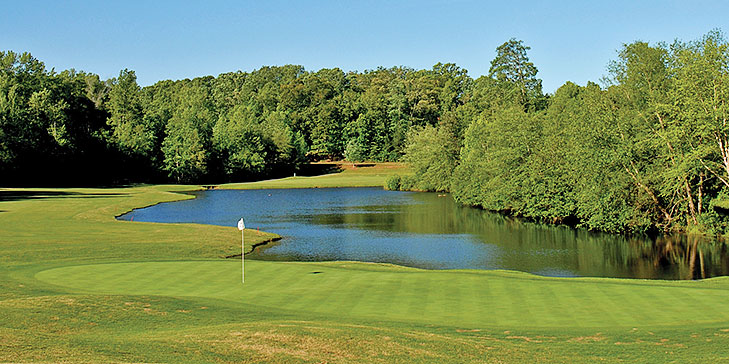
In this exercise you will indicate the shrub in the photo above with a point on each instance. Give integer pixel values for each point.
(407, 183)
(393, 183)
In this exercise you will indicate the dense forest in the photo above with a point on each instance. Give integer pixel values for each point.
(73, 127)
(647, 150)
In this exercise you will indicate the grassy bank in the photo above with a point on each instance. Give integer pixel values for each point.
(78, 286)
(340, 174)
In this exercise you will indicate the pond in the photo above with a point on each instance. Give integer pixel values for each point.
(428, 230)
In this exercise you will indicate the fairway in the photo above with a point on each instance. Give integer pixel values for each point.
(467, 299)
(368, 175)
(79, 286)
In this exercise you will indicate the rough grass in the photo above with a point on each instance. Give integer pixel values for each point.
(78, 286)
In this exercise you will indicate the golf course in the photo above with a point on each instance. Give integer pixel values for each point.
(80, 286)
(364, 182)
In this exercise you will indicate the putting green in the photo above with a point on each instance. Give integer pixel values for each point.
(458, 298)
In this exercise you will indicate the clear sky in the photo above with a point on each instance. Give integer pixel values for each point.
(570, 40)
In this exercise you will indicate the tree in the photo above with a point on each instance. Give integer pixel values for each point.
(428, 154)
(288, 146)
(33, 114)
(495, 160)
(328, 122)
(513, 69)
(129, 131)
(650, 152)
(184, 155)
(239, 144)
(355, 152)
(96, 90)
(701, 97)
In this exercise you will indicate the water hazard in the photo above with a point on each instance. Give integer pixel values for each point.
(428, 230)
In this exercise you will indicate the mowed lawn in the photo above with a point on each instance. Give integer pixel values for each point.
(464, 299)
(76, 285)
(346, 175)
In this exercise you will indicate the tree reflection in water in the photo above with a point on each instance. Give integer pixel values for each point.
(695, 256)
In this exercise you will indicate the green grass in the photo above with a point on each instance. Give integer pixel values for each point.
(78, 286)
(369, 175)
(349, 289)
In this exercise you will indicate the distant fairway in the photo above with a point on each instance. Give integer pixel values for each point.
(460, 298)
(366, 175)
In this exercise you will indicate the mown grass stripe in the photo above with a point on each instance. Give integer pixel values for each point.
(388, 292)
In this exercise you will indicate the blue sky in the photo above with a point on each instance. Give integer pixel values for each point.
(570, 40)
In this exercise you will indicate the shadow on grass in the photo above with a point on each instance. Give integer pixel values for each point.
(27, 195)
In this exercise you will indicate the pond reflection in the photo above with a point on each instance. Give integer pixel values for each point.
(431, 231)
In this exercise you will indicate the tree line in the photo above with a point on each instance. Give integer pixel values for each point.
(648, 151)
(73, 127)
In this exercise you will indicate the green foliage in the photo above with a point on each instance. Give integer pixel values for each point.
(126, 118)
(408, 183)
(392, 183)
(48, 127)
(239, 143)
(431, 154)
(184, 155)
(647, 153)
(355, 151)
(515, 73)
(33, 111)
(239, 125)
(495, 160)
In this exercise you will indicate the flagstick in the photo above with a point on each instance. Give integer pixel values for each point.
(241, 227)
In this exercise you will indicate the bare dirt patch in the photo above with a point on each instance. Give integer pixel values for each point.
(588, 339)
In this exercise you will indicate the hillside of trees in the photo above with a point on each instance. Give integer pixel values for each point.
(73, 127)
(647, 150)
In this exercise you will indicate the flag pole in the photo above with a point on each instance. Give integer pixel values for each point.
(241, 227)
